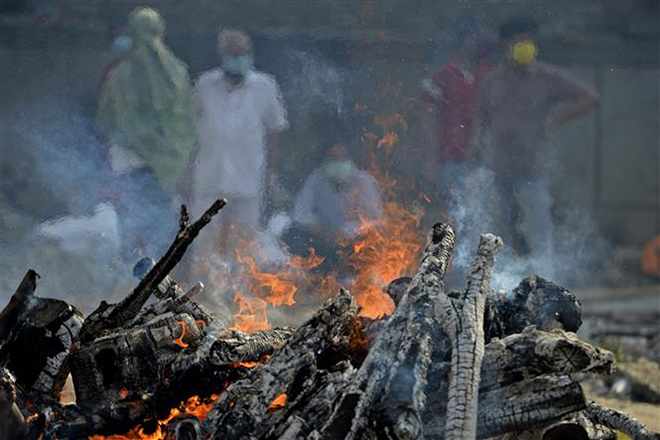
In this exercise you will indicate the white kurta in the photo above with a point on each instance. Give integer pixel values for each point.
(232, 125)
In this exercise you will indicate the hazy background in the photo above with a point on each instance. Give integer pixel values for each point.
(339, 64)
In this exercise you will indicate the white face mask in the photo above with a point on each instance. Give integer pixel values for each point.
(237, 65)
(339, 170)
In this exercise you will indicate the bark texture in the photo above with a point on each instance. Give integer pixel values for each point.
(242, 408)
(110, 316)
(618, 420)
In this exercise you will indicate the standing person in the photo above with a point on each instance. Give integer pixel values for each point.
(450, 98)
(519, 102)
(144, 112)
(238, 112)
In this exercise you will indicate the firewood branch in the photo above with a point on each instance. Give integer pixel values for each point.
(462, 320)
(618, 420)
(108, 317)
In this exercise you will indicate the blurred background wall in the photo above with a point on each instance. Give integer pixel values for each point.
(339, 64)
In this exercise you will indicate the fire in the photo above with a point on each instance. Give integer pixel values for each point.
(387, 142)
(252, 314)
(194, 406)
(251, 364)
(359, 341)
(277, 286)
(278, 403)
(184, 332)
(385, 251)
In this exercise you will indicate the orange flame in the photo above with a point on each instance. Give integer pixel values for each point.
(184, 332)
(194, 406)
(385, 252)
(276, 287)
(252, 315)
(278, 403)
(250, 364)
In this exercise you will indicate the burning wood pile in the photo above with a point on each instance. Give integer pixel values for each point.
(452, 365)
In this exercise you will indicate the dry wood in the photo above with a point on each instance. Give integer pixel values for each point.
(392, 379)
(242, 407)
(36, 339)
(618, 420)
(462, 320)
(111, 316)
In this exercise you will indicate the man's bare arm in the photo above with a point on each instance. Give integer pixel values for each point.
(586, 99)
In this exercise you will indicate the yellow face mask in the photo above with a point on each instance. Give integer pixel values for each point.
(524, 52)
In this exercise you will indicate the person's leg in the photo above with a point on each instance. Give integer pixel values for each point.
(506, 226)
(160, 217)
(147, 218)
(451, 184)
(536, 225)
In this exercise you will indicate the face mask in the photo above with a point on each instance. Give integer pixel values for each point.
(121, 44)
(524, 52)
(237, 65)
(339, 170)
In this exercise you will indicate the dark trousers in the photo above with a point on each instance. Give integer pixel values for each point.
(148, 221)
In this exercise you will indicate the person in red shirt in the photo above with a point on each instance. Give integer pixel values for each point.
(450, 98)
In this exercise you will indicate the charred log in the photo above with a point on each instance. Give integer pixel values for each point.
(392, 378)
(13, 425)
(463, 323)
(243, 406)
(528, 372)
(618, 420)
(110, 316)
(535, 302)
(36, 336)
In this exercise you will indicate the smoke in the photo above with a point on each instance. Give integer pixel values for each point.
(68, 228)
(314, 85)
(575, 253)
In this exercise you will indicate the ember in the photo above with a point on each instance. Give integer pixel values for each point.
(184, 330)
(324, 379)
(278, 403)
(194, 406)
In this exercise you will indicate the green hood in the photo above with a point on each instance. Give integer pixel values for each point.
(145, 105)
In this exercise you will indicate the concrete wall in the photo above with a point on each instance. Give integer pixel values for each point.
(369, 54)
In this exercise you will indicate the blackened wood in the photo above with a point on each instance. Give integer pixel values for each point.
(243, 406)
(12, 311)
(38, 334)
(535, 301)
(508, 372)
(621, 421)
(108, 317)
(392, 379)
(462, 320)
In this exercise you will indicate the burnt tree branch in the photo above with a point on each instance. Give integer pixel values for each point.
(108, 317)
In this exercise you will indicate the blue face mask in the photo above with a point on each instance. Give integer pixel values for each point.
(237, 65)
(121, 44)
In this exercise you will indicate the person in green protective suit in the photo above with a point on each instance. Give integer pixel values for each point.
(144, 112)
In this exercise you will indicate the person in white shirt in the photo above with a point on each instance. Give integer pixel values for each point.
(238, 110)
